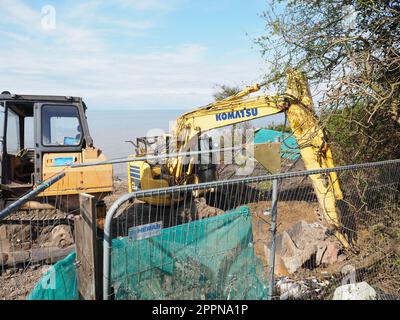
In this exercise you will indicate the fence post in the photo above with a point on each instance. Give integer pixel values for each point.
(87, 257)
(274, 213)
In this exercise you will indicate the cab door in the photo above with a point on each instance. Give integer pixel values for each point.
(59, 137)
(2, 128)
(62, 138)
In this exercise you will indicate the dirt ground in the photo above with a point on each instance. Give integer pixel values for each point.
(17, 285)
(120, 188)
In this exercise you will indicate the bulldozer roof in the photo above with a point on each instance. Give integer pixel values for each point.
(6, 96)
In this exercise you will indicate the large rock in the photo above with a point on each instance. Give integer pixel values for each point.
(285, 245)
(305, 245)
(355, 291)
(297, 245)
(61, 237)
(320, 253)
(331, 254)
(280, 267)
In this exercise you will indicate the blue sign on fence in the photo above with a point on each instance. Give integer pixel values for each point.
(145, 231)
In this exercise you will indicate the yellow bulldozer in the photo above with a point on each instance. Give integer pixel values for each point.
(61, 138)
(296, 103)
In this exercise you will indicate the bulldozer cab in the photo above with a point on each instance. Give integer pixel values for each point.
(39, 137)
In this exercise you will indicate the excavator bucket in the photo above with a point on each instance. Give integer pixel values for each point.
(268, 154)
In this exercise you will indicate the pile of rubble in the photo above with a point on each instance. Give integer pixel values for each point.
(289, 289)
(305, 245)
(308, 246)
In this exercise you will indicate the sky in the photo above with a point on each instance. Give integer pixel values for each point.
(130, 54)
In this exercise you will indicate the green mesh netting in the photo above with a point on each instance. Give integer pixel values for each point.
(206, 259)
(59, 283)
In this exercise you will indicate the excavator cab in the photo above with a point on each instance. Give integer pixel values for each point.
(41, 136)
(151, 173)
(151, 145)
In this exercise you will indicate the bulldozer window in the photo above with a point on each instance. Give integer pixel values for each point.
(29, 133)
(2, 113)
(61, 126)
(13, 133)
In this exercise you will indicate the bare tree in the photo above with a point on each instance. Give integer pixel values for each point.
(350, 50)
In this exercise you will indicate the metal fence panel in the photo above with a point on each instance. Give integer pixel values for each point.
(309, 259)
(216, 240)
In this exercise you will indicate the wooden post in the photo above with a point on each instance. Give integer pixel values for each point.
(101, 210)
(89, 261)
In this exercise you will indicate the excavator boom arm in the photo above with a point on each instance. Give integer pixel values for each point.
(306, 128)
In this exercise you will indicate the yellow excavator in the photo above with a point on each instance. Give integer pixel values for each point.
(296, 103)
